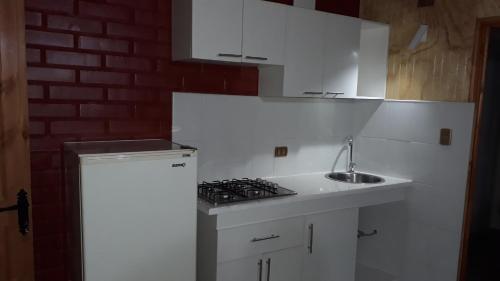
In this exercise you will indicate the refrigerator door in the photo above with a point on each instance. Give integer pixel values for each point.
(139, 218)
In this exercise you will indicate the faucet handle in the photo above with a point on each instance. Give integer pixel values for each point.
(352, 165)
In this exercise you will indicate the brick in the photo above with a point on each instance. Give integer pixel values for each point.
(143, 4)
(51, 110)
(159, 81)
(152, 50)
(133, 127)
(115, 94)
(33, 55)
(74, 24)
(75, 93)
(65, 6)
(49, 242)
(164, 35)
(35, 92)
(52, 143)
(244, 81)
(103, 44)
(130, 31)
(50, 74)
(77, 127)
(49, 38)
(46, 177)
(104, 77)
(72, 58)
(36, 128)
(45, 160)
(104, 111)
(103, 11)
(33, 18)
(128, 63)
(47, 227)
(160, 112)
(51, 274)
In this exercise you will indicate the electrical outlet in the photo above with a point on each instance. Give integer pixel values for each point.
(280, 151)
(445, 136)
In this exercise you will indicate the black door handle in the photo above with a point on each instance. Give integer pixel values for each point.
(22, 208)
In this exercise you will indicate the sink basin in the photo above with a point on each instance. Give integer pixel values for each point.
(354, 177)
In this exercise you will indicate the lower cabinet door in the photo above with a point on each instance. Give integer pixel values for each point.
(246, 269)
(285, 265)
(330, 246)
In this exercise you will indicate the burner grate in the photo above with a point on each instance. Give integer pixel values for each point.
(237, 190)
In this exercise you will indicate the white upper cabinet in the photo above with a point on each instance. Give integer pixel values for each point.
(373, 58)
(305, 42)
(341, 56)
(264, 30)
(248, 31)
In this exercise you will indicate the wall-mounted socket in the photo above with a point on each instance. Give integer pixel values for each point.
(280, 151)
(445, 136)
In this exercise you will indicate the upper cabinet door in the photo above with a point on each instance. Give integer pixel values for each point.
(303, 73)
(341, 56)
(264, 30)
(217, 30)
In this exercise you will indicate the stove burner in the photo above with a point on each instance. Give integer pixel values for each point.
(230, 191)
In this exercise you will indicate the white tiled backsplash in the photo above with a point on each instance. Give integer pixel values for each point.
(419, 239)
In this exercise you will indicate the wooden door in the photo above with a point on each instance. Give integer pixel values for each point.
(16, 249)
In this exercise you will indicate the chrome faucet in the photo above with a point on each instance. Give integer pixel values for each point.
(351, 165)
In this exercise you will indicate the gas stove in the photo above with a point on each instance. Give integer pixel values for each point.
(238, 190)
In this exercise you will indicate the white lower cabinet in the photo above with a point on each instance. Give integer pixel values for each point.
(284, 265)
(331, 240)
(318, 247)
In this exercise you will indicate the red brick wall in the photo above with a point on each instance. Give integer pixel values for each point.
(101, 69)
(97, 70)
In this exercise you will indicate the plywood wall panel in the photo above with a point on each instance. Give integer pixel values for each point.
(440, 68)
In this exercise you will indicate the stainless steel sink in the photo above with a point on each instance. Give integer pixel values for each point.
(354, 177)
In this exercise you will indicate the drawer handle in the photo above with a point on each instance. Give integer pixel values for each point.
(260, 270)
(313, 93)
(311, 237)
(336, 94)
(268, 269)
(230, 55)
(256, 58)
(265, 238)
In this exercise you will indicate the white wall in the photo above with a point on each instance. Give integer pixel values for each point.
(419, 238)
(401, 139)
(236, 135)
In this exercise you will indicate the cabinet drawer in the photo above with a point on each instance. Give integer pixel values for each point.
(255, 239)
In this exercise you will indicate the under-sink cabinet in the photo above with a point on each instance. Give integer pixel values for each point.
(302, 248)
(331, 242)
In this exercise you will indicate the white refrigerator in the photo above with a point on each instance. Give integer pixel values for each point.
(132, 210)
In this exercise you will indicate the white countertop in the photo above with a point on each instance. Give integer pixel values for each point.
(308, 187)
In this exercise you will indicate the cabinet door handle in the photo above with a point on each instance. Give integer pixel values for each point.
(260, 269)
(265, 238)
(230, 55)
(313, 93)
(311, 238)
(335, 93)
(256, 58)
(268, 269)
